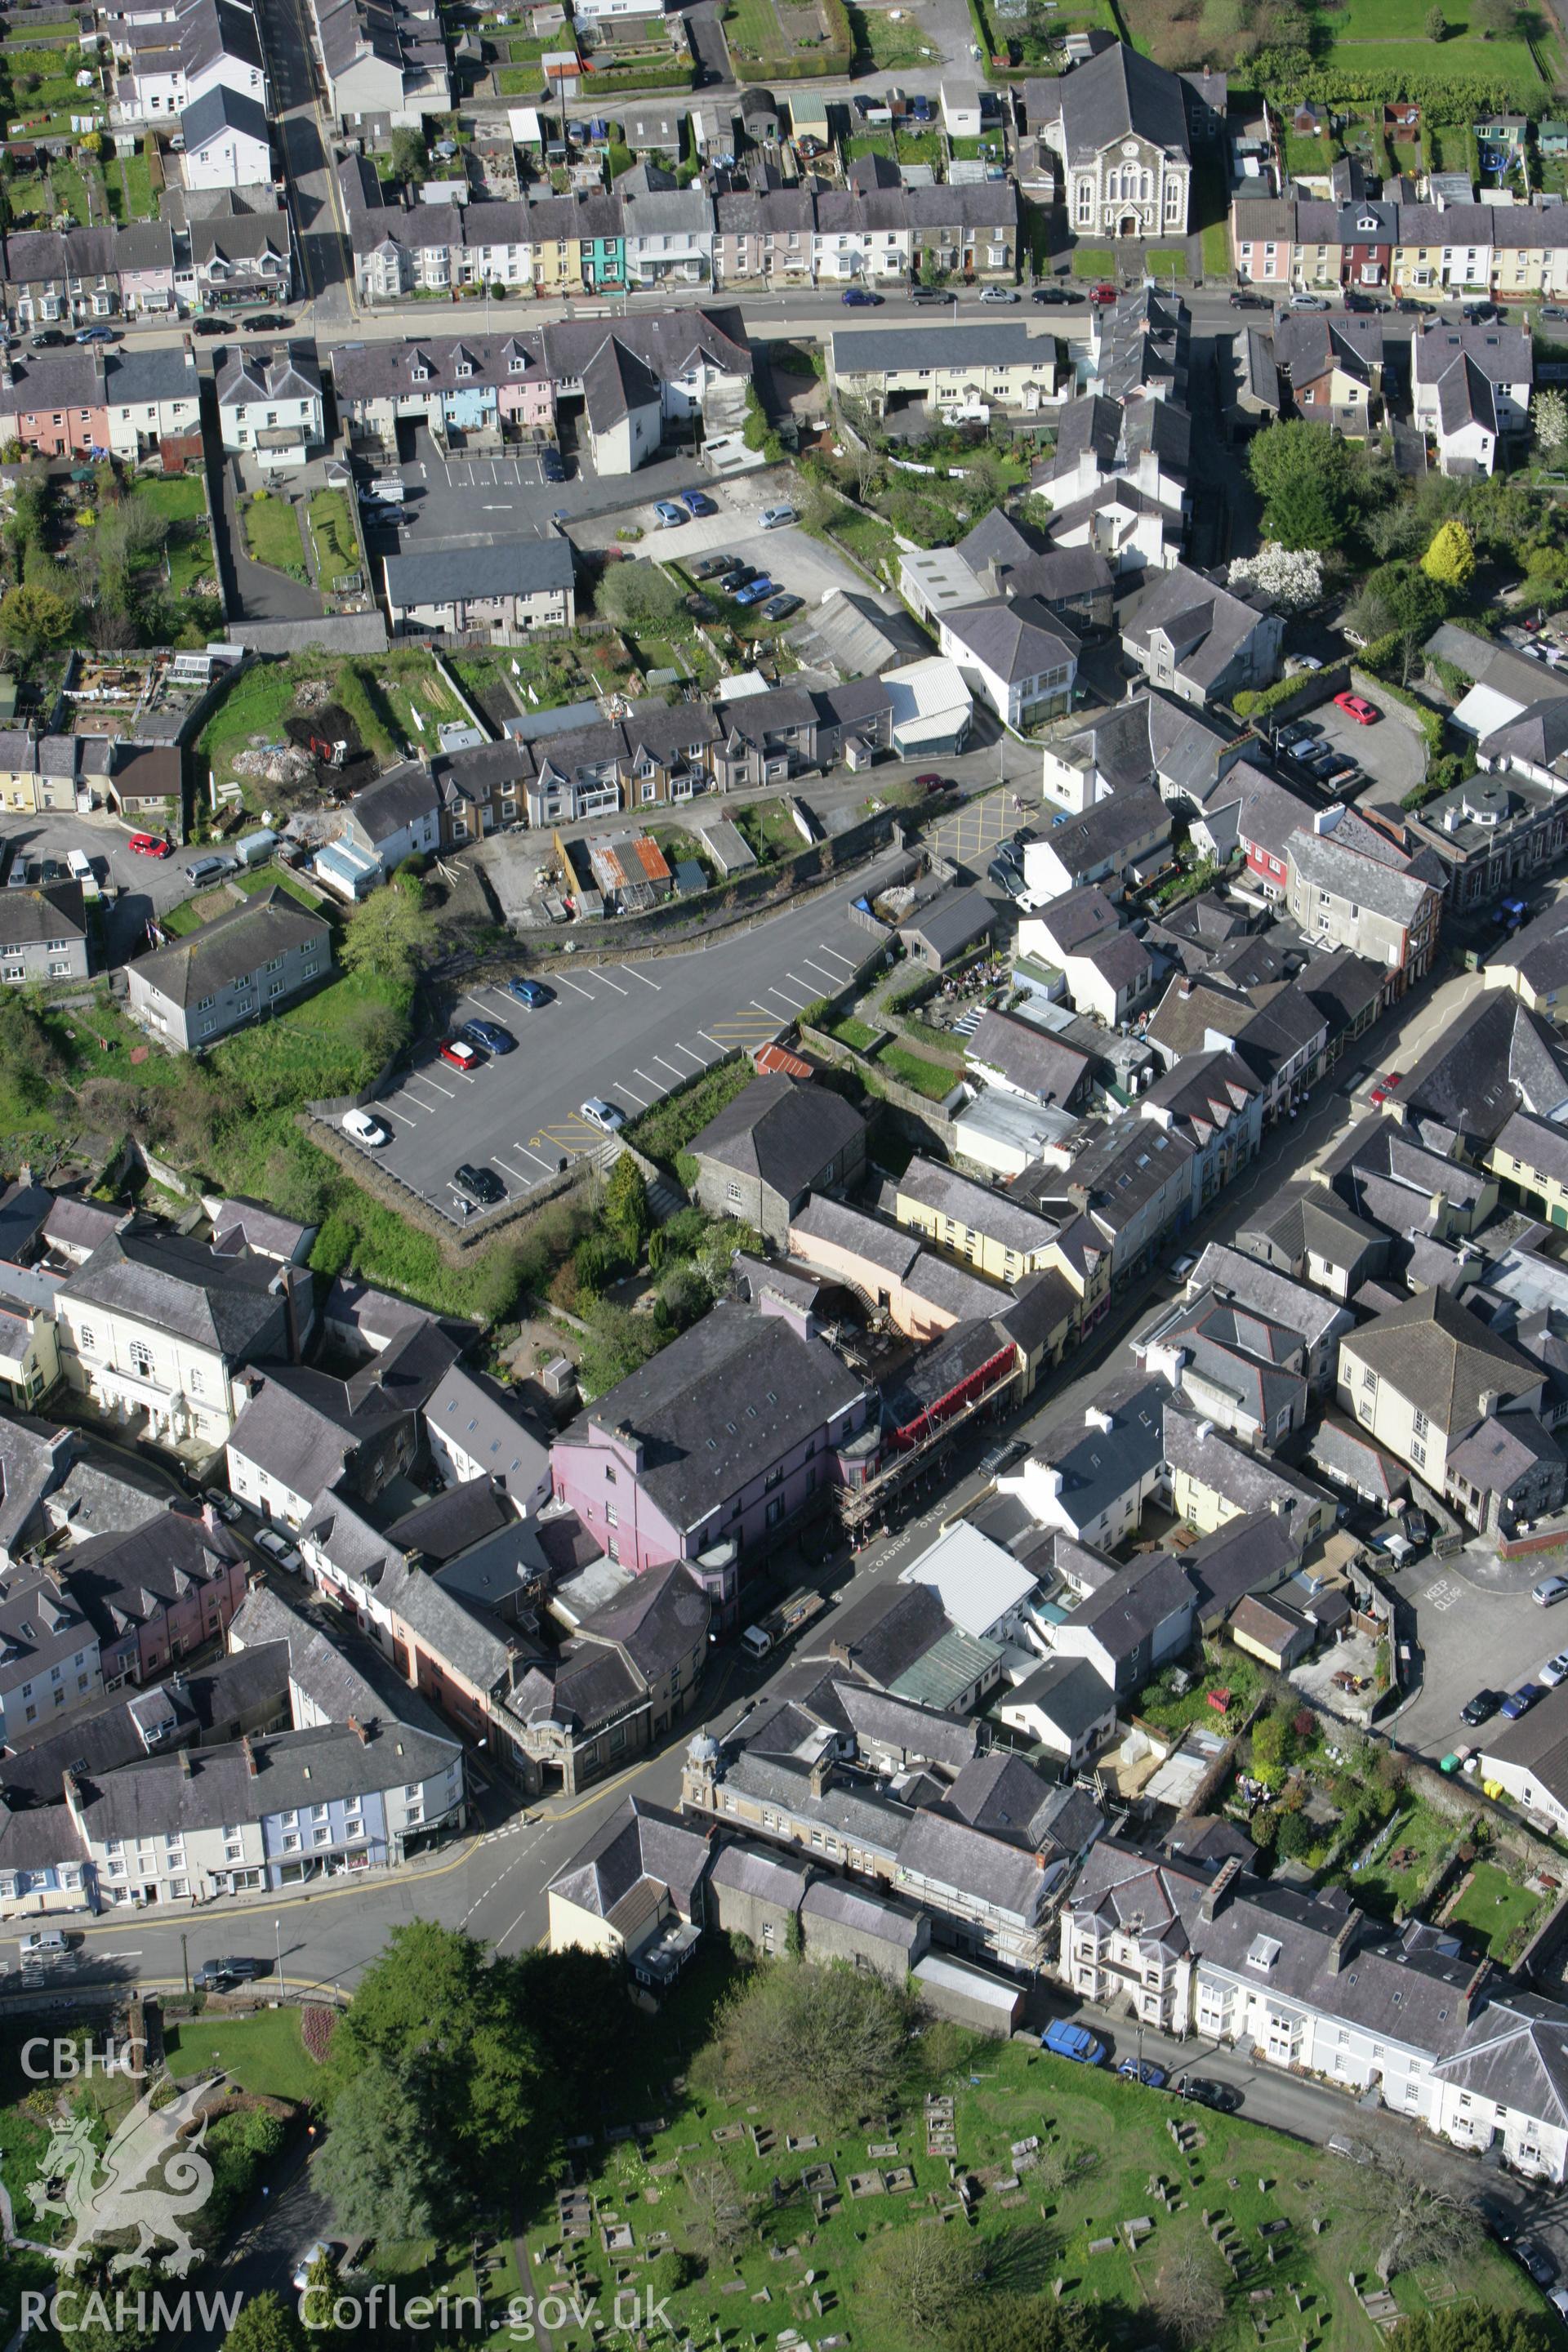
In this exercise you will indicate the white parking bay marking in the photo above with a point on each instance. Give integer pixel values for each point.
(577, 991)
(600, 974)
(632, 973)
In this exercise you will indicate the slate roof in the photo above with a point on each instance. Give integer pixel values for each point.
(1097, 1465)
(951, 922)
(782, 1130)
(1516, 2055)
(241, 942)
(1124, 1613)
(1494, 1059)
(219, 110)
(178, 1285)
(51, 913)
(479, 1417)
(886, 351)
(721, 1405)
(1442, 1359)
(990, 1870)
(863, 1914)
(1208, 626)
(1012, 639)
(1115, 94)
(1142, 1896)
(950, 1194)
(160, 1798)
(1069, 1693)
(1245, 1479)
(214, 1703)
(514, 567)
(1031, 1059)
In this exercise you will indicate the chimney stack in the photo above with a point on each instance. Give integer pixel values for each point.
(821, 1768)
(1339, 1949)
(1216, 1894)
(1487, 1403)
(360, 1733)
(186, 1771)
(1471, 1999)
(249, 1754)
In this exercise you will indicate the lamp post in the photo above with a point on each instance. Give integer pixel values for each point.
(278, 1933)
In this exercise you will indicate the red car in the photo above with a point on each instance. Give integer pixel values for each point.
(1104, 292)
(931, 784)
(1364, 713)
(1377, 1097)
(461, 1055)
(1390, 1079)
(148, 845)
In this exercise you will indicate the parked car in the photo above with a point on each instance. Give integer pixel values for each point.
(99, 335)
(1241, 300)
(1104, 292)
(696, 502)
(362, 1127)
(334, 2247)
(859, 298)
(1481, 1709)
(481, 1187)
(1054, 293)
(1392, 1080)
(1357, 707)
(931, 294)
(44, 1944)
(1221, 2096)
(552, 465)
(1307, 302)
(1552, 310)
(1152, 2077)
(461, 1053)
(997, 1458)
(49, 339)
(1536, 2260)
(24, 872)
(775, 517)
(228, 1506)
(209, 326)
(217, 1976)
(1555, 1671)
(1355, 300)
(756, 590)
(708, 567)
(603, 1115)
(149, 844)
(932, 783)
(1074, 2042)
(1001, 294)
(267, 322)
(531, 993)
(489, 1035)
(668, 513)
(779, 608)
(278, 1549)
(738, 575)
(1520, 1701)
(208, 869)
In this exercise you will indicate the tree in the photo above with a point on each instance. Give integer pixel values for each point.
(626, 1212)
(265, 2324)
(379, 2170)
(1549, 417)
(407, 149)
(321, 2290)
(920, 2283)
(722, 2211)
(1305, 477)
(638, 596)
(1436, 26)
(1493, 19)
(826, 2040)
(1473, 2329)
(1398, 599)
(1414, 2211)
(36, 620)
(1025, 2323)
(1451, 557)
(1189, 2297)
(386, 935)
(1292, 578)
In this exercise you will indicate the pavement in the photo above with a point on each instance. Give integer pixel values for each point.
(629, 1033)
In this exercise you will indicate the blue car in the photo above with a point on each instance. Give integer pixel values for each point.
(1522, 1700)
(98, 335)
(1152, 2077)
(698, 502)
(531, 993)
(755, 591)
(855, 298)
(489, 1035)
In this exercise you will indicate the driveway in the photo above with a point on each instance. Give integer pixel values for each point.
(629, 1033)
(1391, 756)
(1469, 1636)
(252, 591)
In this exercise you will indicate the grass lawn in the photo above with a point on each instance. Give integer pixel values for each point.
(176, 497)
(333, 529)
(752, 28)
(888, 45)
(254, 705)
(1404, 1861)
(1093, 261)
(131, 176)
(869, 142)
(264, 2054)
(1113, 2133)
(517, 81)
(1232, 1671)
(853, 1034)
(190, 552)
(71, 192)
(322, 1044)
(1307, 157)
(1217, 249)
(1495, 1911)
(257, 878)
(1166, 261)
(768, 830)
(272, 534)
(932, 1079)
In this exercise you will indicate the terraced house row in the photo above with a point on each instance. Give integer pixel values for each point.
(1309, 241)
(77, 277)
(649, 233)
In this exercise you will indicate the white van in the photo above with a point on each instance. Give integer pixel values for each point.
(756, 1642)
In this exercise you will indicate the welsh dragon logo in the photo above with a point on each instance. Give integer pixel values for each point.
(153, 2177)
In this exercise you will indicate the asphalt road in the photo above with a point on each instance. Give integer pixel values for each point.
(627, 1032)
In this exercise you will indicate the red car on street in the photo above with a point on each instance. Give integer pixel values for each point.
(1104, 292)
(1357, 707)
(148, 845)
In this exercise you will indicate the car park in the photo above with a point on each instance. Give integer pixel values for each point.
(696, 502)
(460, 1053)
(603, 1115)
(1481, 1709)
(779, 608)
(668, 513)
(997, 294)
(278, 1549)
(149, 844)
(1152, 2077)
(1555, 1671)
(531, 993)
(737, 574)
(489, 1035)
(775, 517)
(1520, 1701)
(1357, 707)
(856, 298)
(481, 1187)
(362, 1127)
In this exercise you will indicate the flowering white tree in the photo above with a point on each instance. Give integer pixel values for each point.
(1292, 578)
(1549, 415)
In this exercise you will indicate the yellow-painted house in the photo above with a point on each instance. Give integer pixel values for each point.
(986, 1228)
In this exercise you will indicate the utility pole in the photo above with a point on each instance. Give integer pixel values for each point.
(278, 1931)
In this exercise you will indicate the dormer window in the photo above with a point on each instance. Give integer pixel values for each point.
(464, 367)
(517, 367)
(420, 375)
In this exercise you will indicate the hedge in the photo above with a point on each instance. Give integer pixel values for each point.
(634, 77)
(1256, 703)
(1291, 76)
